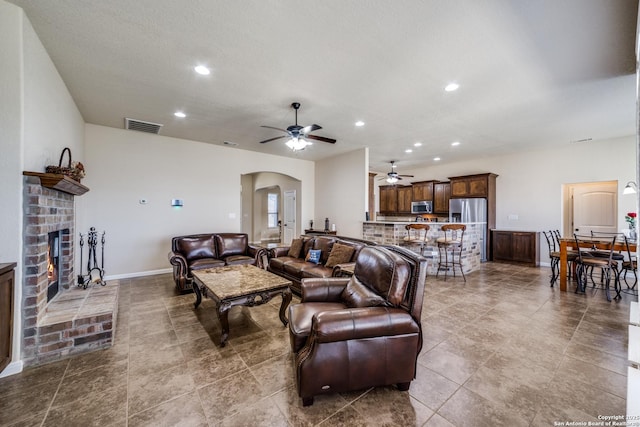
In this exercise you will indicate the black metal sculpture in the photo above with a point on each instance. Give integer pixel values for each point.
(95, 271)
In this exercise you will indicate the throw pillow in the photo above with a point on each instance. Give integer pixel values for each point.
(295, 248)
(356, 294)
(314, 256)
(339, 255)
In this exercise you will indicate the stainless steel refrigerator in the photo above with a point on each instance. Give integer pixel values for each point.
(471, 210)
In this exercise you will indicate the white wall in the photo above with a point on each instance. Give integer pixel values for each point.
(529, 184)
(38, 118)
(125, 166)
(342, 188)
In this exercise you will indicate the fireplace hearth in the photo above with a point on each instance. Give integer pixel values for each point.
(58, 318)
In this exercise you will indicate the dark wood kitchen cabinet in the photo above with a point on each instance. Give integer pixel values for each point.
(7, 283)
(441, 195)
(516, 247)
(405, 196)
(481, 185)
(388, 199)
(422, 191)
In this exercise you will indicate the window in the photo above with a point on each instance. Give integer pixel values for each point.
(272, 210)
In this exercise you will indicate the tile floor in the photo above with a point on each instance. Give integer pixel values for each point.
(503, 349)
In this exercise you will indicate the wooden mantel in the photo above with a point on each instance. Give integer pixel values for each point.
(59, 182)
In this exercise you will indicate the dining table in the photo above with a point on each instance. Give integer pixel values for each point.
(570, 242)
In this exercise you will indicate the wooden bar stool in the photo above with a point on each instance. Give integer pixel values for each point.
(450, 245)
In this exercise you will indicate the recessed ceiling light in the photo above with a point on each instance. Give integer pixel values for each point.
(201, 69)
(359, 123)
(451, 87)
(408, 150)
(455, 143)
(436, 159)
(418, 144)
(180, 114)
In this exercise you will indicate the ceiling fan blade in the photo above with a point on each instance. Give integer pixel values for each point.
(305, 130)
(273, 139)
(271, 127)
(321, 138)
(407, 176)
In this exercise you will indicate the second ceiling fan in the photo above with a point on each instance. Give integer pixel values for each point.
(298, 135)
(393, 176)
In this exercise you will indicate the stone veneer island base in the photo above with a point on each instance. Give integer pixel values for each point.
(393, 233)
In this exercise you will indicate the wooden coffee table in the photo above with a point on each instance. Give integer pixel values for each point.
(239, 285)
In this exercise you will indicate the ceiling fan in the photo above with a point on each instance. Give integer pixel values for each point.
(298, 135)
(393, 176)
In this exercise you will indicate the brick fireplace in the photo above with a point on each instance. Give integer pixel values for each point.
(67, 320)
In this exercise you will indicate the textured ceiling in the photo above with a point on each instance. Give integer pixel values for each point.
(531, 73)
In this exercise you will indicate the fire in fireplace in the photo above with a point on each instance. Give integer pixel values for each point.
(53, 264)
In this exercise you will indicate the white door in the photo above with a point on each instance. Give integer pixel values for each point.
(289, 216)
(595, 207)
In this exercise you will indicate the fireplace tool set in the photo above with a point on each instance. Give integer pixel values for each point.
(95, 272)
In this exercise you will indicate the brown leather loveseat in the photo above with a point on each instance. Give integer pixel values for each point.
(336, 253)
(202, 251)
(359, 332)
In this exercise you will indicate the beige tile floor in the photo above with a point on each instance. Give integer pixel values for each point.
(502, 349)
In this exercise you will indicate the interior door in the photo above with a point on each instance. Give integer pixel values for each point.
(289, 216)
(595, 207)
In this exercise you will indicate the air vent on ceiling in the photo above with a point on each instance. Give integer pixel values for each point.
(142, 126)
(231, 143)
(580, 141)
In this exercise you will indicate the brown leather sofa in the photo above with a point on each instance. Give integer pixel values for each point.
(354, 333)
(202, 251)
(295, 267)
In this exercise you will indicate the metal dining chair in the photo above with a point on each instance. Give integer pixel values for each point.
(554, 256)
(587, 262)
(629, 264)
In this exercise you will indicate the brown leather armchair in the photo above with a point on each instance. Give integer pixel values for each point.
(359, 332)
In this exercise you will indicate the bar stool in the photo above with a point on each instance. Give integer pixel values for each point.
(450, 244)
(417, 235)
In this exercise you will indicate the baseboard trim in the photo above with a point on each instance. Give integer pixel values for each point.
(139, 274)
(12, 369)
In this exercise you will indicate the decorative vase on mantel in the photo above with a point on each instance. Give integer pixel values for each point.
(633, 236)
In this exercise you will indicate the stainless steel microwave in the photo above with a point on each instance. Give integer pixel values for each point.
(421, 207)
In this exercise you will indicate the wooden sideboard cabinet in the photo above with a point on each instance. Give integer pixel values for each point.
(7, 279)
(516, 246)
(441, 195)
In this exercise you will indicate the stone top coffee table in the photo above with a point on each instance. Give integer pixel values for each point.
(239, 285)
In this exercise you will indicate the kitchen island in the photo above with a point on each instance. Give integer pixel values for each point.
(394, 232)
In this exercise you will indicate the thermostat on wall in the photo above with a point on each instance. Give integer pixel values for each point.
(178, 203)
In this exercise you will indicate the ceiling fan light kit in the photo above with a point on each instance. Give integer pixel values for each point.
(393, 176)
(298, 135)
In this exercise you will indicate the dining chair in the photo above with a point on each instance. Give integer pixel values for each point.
(587, 262)
(554, 256)
(630, 264)
(417, 234)
(450, 245)
(572, 254)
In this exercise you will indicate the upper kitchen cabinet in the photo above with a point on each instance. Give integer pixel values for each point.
(422, 191)
(441, 195)
(481, 185)
(405, 194)
(388, 199)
